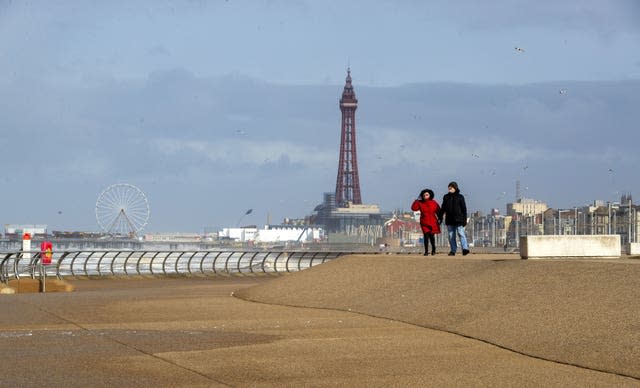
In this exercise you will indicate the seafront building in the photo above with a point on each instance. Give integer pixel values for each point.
(490, 230)
(177, 237)
(18, 230)
(273, 234)
(532, 217)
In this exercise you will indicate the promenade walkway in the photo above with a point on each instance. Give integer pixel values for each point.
(363, 320)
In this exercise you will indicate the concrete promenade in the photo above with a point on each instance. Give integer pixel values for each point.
(361, 320)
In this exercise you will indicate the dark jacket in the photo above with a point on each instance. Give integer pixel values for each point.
(454, 209)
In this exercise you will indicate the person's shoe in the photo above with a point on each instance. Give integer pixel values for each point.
(433, 253)
(452, 253)
(465, 252)
(425, 254)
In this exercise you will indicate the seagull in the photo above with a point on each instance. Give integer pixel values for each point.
(240, 132)
(520, 49)
(475, 155)
(562, 91)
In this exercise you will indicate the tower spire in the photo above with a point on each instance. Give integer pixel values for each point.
(348, 181)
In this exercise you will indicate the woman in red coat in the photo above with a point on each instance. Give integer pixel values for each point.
(429, 221)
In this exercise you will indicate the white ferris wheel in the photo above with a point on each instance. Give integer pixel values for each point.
(122, 210)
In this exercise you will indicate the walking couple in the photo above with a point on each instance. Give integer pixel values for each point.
(454, 211)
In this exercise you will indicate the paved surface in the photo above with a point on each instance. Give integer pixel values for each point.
(370, 320)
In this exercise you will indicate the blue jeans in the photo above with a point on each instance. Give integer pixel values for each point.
(459, 230)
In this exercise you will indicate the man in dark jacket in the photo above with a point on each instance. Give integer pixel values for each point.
(454, 210)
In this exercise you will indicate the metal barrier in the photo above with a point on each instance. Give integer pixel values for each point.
(13, 265)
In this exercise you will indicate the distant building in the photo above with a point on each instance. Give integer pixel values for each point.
(403, 229)
(238, 234)
(600, 218)
(289, 234)
(17, 231)
(526, 207)
(172, 237)
(273, 234)
(75, 234)
(488, 230)
(528, 218)
(348, 218)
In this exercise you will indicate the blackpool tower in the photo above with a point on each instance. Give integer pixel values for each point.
(348, 182)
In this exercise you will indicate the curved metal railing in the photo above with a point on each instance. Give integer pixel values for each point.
(15, 265)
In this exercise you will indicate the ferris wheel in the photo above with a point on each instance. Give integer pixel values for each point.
(122, 209)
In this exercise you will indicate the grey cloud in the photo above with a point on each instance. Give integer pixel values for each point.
(603, 17)
(188, 139)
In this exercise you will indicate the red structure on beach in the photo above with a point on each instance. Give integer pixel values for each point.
(348, 182)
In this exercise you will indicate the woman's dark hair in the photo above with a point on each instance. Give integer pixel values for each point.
(454, 185)
(431, 194)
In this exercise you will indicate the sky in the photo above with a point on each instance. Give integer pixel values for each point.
(212, 108)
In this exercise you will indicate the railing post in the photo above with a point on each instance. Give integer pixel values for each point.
(239, 261)
(100, 262)
(189, 262)
(275, 262)
(202, 259)
(214, 262)
(126, 260)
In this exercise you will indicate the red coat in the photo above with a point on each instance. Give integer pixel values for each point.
(428, 215)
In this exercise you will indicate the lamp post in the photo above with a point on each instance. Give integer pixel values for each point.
(517, 230)
(245, 213)
(630, 219)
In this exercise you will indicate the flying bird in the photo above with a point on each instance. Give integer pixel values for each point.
(475, 155)
(562, 91)
(519, 49)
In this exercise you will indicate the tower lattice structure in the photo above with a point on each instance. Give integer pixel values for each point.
(348, 181)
